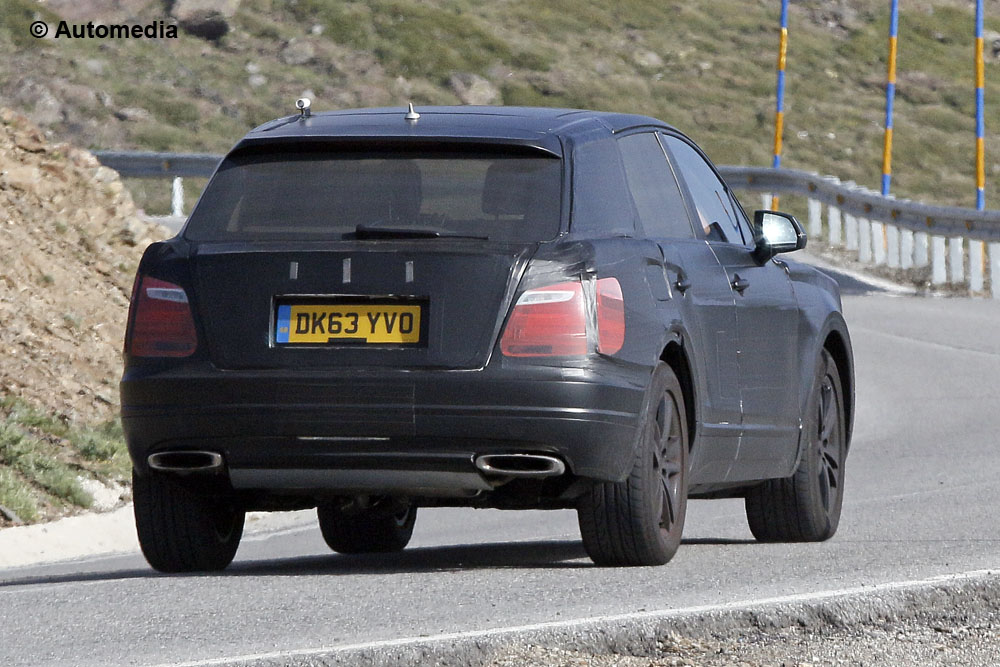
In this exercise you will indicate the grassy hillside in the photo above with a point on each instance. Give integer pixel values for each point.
(707, 67)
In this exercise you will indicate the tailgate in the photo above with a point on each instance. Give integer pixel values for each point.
(355, 306)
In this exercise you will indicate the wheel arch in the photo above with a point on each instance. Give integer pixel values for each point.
(837, 343)
(675, 356)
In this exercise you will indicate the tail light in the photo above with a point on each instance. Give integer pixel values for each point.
(161, 321)
(547, 322)
(610, 316)
(557, 320)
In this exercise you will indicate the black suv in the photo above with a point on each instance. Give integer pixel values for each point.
(375, 310)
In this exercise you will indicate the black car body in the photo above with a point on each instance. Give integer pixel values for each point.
(370, 311)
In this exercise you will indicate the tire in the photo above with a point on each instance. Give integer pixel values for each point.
(181, 530)
(376, 529)
(639, 521)
(806, 506)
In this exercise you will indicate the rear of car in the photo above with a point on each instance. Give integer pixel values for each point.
(374, 311)
(368, 325)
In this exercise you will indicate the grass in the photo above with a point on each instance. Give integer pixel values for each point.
(17, 495)
(42, 460)
(16, 16)
(712, 75)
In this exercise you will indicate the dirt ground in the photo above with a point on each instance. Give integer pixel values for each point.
(70, 239)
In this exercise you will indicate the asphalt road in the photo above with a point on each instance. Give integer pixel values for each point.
(920, 502)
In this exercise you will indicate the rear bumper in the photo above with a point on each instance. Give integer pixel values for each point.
(296, 429)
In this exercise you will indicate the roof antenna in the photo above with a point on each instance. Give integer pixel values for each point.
(411, 115)
(303, 104)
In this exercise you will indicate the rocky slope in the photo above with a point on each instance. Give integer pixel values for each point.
(70, 239)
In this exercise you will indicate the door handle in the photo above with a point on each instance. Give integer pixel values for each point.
(740, 284)
(681, 284)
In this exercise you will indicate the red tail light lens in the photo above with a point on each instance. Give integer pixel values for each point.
(553, 321)
(547, 322)
(610, 316)
(162, 325)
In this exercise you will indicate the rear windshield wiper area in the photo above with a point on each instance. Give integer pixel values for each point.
(378, 232)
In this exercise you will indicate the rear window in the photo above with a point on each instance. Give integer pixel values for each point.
(312, 195)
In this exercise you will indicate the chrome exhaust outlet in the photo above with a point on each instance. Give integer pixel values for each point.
(186, 461)
(520, 465)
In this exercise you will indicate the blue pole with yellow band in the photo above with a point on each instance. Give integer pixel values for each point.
(980, 123)
(890, 95)
(779, 115)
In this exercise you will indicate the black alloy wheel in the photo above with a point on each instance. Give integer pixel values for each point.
(806, 507)
(182, 530)
(670, 460)
(640, 521)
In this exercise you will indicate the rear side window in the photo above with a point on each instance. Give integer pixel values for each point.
(654, 188)
(319, 195)
(601, 203)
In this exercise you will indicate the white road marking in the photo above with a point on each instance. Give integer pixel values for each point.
(498, 633)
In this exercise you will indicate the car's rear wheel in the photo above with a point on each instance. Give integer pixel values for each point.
(806, 506)
(181, 530)
(639, 521)
(383, 527)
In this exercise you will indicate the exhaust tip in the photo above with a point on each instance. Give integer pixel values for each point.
(520, 465)
(185, 461)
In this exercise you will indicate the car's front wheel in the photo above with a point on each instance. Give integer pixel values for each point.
(806, 506)
(383, 527)
(639, 521)
(181, 530)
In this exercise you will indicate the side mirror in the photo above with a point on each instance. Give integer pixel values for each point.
(775, 232)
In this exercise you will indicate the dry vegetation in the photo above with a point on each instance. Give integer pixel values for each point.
(707, 67)
(70, 241)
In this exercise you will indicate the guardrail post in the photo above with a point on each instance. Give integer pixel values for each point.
(850, 232)
(833, 225)
(976, 261)
(995, 270)
(892, 240)
(878, 242)
(177, 198)
(864, 241)
(815, 218)
(956, 259)
(938, 274)
(921, 249)
(906, 248)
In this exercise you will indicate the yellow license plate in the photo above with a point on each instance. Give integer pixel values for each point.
(377, 324)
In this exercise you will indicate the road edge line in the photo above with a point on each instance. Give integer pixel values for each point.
(619, 631)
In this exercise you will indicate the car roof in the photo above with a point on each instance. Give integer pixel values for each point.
(539, 127)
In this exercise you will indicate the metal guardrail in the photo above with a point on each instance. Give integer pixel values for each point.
(136, 164)
(863, 203)
(895, 232)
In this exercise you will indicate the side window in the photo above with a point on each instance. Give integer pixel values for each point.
(654, 189)
(601, 204)
(745, 225)
(718, 219)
